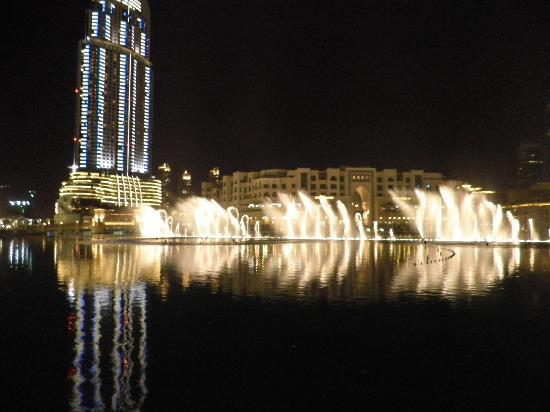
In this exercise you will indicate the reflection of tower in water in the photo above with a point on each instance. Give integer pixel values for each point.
(110, 337)
(108, 321)
(19, 253)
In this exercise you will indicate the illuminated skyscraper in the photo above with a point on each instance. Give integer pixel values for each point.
(112, 163)
(115, 88)
(530, 163)
(186, 184)
(165, 177)
(214, 176)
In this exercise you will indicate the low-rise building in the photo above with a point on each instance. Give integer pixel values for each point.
(86, 193)
(364, 190)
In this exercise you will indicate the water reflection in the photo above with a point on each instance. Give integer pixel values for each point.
(19, 252)
(108, 287)
(339, 271)
(107, 290)
(349, 271)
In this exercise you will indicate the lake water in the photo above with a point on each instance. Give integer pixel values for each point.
(341, 325)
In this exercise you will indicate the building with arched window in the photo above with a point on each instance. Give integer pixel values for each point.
(364, 190)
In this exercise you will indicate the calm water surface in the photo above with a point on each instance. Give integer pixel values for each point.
(106, 326)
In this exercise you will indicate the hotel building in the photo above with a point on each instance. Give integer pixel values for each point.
(112, 140)
(362, 189)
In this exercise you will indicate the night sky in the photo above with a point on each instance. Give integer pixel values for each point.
(245, 85)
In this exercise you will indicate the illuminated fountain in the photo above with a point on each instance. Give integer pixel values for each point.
(453, 216)
(303, 218)
(293, 218)
(205, 219)
(446, 215)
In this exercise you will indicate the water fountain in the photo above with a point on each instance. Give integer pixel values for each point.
(443, 216)
(454, 216)
(293, 218)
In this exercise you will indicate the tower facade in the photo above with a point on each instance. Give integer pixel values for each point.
(531, 159)
(186, 184)
(165, 177)
(112, 154)
(114, 93)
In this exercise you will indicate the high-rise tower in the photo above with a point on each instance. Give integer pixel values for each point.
(112, 157)
(165, 177)
(186, 184)
(114, 88)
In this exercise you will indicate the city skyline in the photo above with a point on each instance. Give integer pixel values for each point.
(449, 88)
(275, 204)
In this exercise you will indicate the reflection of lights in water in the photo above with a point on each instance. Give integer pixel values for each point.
(106, 286)
(87, 266)
(71, 291)
(472, 271)
(346, 270)
(95, 387)
(19, 253)
(340, 270)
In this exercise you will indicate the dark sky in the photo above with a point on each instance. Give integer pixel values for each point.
(449, 86)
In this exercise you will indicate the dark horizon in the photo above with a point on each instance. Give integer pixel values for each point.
(244, 85)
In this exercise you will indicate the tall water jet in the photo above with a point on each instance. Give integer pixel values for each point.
(436, 212)
(498, 217)
(318, 232)
(532, 231)
(152, 223)
(360, 226)
(345, 218)
(442, 215)
(456, 216)
(514, 223)
(469, 219)
(257, 232)
(330, 216)
(307, 207)
(420, 209)
(244, 226)
(233, 217)
(307, 219)
(290, 215)
(453, 214)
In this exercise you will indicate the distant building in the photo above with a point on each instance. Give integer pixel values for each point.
(165, 177)
(531, 159)
(212, 188)
(214, 176)
(112, 163)
(363, 190)
(186, 184)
